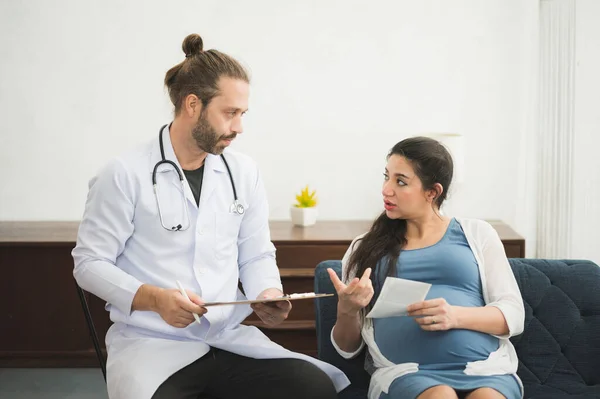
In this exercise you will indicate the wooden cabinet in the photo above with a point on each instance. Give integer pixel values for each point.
(42, 321)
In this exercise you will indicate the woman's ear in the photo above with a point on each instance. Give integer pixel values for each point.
(435, 192)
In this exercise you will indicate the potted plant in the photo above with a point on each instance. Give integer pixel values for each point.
(304, 211)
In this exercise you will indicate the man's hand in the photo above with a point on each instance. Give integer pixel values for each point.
(354, 296)
(173, 307)
(272, 313)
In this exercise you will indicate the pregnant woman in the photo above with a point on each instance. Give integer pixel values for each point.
(455, 344)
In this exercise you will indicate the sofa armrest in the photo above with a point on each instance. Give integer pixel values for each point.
(326, 312)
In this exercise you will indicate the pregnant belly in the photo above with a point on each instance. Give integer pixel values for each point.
(400, 339)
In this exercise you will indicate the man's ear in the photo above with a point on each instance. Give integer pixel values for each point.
(192, 106)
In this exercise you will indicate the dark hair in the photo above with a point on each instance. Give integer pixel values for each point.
(200, 72)
(433, 164)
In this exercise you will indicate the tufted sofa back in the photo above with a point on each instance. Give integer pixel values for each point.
(559, 351)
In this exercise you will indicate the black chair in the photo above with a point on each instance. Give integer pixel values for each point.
(92, 329)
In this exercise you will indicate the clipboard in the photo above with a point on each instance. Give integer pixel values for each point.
(289, 297)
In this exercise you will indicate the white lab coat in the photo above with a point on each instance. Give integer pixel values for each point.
(121, 245)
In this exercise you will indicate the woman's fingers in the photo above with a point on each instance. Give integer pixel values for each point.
(352, 286)
(357, 294)
(366, 276)
(335, 280)
(425, 311)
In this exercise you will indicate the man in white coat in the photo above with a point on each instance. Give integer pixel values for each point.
(184, 209)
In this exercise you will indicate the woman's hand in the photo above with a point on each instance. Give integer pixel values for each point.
(434, 314)
(354, 296)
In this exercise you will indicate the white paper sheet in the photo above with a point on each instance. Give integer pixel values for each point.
(396, 294)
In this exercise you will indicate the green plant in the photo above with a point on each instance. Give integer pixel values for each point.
(306, 199)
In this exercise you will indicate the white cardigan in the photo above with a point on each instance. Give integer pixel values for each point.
(500, 289)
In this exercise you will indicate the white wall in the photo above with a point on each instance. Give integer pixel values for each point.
(586, 188)
(335, 85)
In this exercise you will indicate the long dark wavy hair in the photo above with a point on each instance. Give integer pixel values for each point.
(382, 244)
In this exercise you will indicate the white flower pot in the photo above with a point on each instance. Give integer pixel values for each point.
(303, 216)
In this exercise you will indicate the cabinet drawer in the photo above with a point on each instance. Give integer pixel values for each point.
(307, 256)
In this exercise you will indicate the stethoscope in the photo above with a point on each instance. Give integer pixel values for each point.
(235, 207)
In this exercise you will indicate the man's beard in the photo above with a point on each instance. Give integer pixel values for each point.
(207, 138)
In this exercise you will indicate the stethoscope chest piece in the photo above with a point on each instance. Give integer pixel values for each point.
(236, 207)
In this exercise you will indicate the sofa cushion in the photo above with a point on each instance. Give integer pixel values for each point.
(559, 351)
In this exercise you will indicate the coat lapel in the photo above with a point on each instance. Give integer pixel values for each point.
(184, 189)
(213, 167)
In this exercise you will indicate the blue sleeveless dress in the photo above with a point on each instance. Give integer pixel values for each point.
(451, 268)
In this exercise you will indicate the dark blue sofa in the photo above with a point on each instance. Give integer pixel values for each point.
(559, 351)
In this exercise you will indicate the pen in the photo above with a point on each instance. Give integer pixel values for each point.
(185, 295)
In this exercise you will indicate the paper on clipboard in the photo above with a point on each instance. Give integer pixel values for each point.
(289, 297)
(396, 294)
